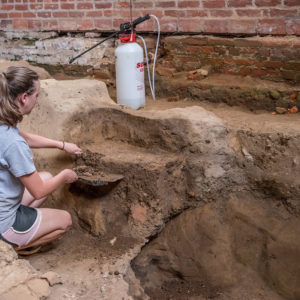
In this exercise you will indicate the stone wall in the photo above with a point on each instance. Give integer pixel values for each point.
(276, 17)
(271, 58)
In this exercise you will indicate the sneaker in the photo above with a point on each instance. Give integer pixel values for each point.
(29, 250)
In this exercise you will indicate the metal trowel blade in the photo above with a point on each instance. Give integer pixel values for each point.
(95, 186)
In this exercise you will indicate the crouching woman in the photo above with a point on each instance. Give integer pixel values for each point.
(22, 188)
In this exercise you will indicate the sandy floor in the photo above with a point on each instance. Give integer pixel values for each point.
(89, 265)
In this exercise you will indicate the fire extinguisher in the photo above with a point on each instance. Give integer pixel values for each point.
(130, 64)
(130, 72)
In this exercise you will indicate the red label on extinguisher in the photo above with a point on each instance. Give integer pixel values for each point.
(140, 76)
(140, 66)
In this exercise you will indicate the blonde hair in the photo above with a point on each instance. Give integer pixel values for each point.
(14, 82)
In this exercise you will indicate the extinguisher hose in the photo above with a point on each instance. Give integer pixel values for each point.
(155, 55)
(152, 82)
(147, 61)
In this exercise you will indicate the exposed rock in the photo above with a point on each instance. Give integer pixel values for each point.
(52, 277)
(43, 74)
(18, 278)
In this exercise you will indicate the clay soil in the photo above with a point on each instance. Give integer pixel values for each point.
(87, 264)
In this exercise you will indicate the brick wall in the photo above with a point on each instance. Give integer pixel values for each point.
(276, 17)
(270, 58)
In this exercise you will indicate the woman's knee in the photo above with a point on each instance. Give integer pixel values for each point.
(66, 220)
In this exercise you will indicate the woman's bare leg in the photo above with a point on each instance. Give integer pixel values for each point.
(29, 200)
(54, 223)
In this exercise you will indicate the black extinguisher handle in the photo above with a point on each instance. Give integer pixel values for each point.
(124, 27)
(140, 20)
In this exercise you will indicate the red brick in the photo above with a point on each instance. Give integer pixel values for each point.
(36, 6)
(241, 62)
(220, 42)
(67, 24)
(167, 4)
(76, 14)
(44, 14)
(29, 14)
(239, 3)
(15, 15)
(271, 64)
(221, 13)
(190, 25)
(21, 7)
(50, 24)
(283, 12)
(213, 3)
(122, 13)
(102, 24)
(291, 2)
(196, 13)
(220, 50)
(248, 12)
(174, 13)
(93, 14)
(6, 24)
(3, 16)
(67, 6)
(103, 5)
(242, 26)
(271, 26)
(51, 6)
(60, 14)
(20, 24)
(207, 50)
(216, 26)
(107, 12)
(34, 24)
(142, 4)
(269, 3)
(195, 41)
(85, 6)
(293, 26)
(258, 72)
(122, 4)
(85, 24)
(185, 4)
(7, 7)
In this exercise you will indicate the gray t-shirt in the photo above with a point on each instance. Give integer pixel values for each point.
(15, 160)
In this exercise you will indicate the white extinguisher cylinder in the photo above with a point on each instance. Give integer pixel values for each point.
(130, 74)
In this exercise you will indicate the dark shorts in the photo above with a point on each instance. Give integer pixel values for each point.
(25, 227)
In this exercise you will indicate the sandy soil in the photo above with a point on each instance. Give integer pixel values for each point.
(88, 265)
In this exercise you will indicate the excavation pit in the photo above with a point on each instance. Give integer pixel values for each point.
(208, 206)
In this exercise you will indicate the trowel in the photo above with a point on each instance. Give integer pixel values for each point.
(95, 185)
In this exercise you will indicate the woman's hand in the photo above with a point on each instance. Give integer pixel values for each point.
(71, 148)
(69, 175)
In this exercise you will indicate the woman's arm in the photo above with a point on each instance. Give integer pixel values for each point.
(39, 188)
(37, 141)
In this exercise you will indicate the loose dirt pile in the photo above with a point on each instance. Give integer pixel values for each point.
(208, 206)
